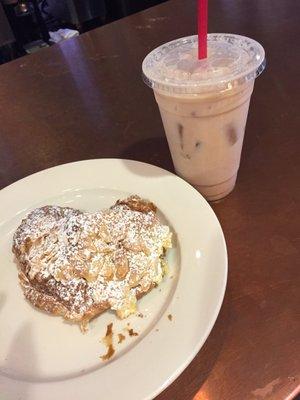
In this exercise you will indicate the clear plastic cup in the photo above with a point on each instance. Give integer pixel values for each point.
(204, 105)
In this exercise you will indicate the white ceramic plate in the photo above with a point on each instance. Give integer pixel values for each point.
(44, 358)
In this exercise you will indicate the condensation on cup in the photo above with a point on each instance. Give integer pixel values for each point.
(204, 105)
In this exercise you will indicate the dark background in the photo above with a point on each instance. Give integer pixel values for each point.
(24, 24)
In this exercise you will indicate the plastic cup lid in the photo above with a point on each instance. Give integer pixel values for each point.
(232, 59)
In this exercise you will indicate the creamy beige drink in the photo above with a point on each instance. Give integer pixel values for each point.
(205, 135)
(204, 106)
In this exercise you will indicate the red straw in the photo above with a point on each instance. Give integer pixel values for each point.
(202, 29)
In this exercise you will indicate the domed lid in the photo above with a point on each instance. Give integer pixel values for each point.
(231, 60)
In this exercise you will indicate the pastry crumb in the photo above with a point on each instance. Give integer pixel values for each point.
(132, 333)
(121, 338)
(108, 341)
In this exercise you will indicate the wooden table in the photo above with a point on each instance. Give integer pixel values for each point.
(82, 99)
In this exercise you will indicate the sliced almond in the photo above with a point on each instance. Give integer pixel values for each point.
(122, 267)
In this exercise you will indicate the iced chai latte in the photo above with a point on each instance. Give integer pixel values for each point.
(204, 105)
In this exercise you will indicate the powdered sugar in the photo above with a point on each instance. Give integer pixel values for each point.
(106, 257)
